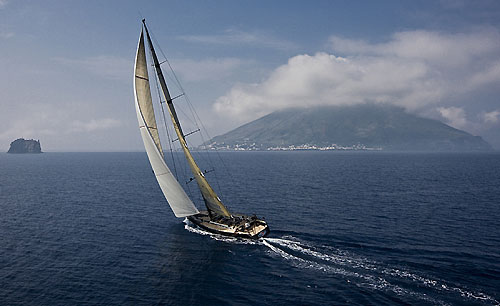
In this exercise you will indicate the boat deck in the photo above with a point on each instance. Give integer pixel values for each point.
(239, 225)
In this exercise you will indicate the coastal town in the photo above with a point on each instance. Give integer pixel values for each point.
(255, 147)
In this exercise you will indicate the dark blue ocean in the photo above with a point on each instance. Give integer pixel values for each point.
(366, 228)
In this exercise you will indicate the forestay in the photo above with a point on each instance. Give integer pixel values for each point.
(176, 197)
(212, 201)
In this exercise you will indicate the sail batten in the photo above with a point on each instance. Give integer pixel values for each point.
(217, 218)
(143, 90)
(175, 195)
(212, 201)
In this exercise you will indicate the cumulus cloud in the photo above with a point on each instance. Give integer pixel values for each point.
(491, 117)
(414, 69)
(452, 50)
(455, 116)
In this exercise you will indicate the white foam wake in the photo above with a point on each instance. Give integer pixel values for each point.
(328, 263)
(370, 273)
(358, 270)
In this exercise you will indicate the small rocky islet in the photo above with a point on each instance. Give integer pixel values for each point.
(22, 145)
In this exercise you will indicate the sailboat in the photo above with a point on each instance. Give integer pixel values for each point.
(216, 218)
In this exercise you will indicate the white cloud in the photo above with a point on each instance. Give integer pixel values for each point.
(414, 69)
(235, 37)
(485, 76)
(455, 116)
(491, 117)
(452, 50)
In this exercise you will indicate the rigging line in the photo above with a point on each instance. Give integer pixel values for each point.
(226, 168)
(166, 60)
(172, 153)
(174, 80)
(198, 119)
(183, 93)
(195, 121)
(191, 120)
(166, 127)
(182, 165)
(179, 85)
(186, 116)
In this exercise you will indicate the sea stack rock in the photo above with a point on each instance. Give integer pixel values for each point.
(22, 145)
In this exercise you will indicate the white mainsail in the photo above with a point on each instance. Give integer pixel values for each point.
(176, 197)
(212, 201)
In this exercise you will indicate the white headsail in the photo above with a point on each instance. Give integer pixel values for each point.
(212, 201)
(176, 197)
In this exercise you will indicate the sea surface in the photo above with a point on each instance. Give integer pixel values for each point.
(356, 228)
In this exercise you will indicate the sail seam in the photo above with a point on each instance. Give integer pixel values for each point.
(173, 192)
(164, 173)
(140, 77)
(212, 201)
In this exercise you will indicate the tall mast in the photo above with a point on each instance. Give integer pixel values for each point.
(181, 204)
(212, 201)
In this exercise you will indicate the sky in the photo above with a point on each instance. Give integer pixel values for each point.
(67, 66)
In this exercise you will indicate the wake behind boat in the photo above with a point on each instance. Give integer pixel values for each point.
(216, 218)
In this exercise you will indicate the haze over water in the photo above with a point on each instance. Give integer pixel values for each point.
(346, 228)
